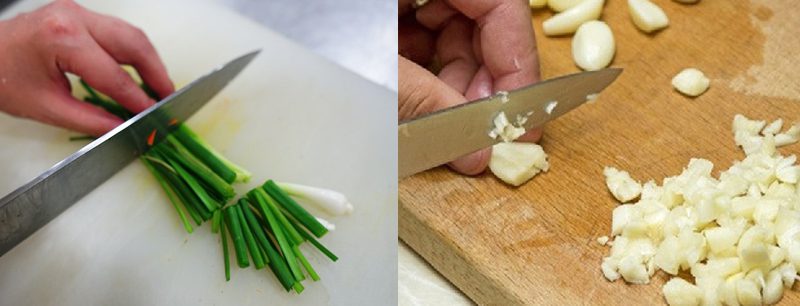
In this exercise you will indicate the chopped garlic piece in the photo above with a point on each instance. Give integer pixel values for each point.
(593, 46)
(773, 127)
(569, 20)
(504, 129)
(515, 163)
(503, 96)
(691, 82)
(647, 16)
(738, 235)
(747, 293)
(592, 97)
(550, 107)
(537, 3)
(621, 185)
(679, 292)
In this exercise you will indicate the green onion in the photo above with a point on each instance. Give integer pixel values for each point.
(225, 256)
(201, 193)
(171, 194)
(278, 231)
(330, 201)
(217, 184)
(204, 153)
(258, 261)
(232, 220)
(266, 225)
(305, 263)
(295, 209)
(215, 221)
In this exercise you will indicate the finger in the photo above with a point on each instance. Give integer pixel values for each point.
(98, 69)
(129, 45)
(421, 92)
(404, 7)
(64, 111)
(507, 42)
(435, 14)
(472, 164)
(481, 85)
(454, 48)
(415, 42)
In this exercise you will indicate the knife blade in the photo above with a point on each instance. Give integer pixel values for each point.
(33, 205)
(442, 136)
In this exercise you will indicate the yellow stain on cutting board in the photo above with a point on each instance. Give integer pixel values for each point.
(777, 75)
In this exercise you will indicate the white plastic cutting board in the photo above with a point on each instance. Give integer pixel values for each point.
(290, 116)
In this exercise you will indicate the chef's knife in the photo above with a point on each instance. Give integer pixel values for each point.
(442, 136)
(31, 206)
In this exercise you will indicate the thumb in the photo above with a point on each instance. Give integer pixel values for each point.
(421, 92)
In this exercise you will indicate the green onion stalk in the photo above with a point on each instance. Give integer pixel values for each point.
(266, 227)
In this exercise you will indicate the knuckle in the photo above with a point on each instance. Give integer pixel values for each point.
(58, 25)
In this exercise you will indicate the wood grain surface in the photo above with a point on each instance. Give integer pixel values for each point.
(536, 244)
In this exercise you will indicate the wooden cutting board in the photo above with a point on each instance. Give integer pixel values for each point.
(290, 115)
(536, 244)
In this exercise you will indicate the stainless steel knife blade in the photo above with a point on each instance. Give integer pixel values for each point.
(444, 135)
(33, 205)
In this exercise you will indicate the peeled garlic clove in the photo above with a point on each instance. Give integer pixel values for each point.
(537, 3)
(647, 16)
(515, 163)
(679, 292)
(562, 5)
(568, 21)
(593, 45)
(691, 82)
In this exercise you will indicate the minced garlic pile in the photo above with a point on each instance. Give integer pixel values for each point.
(738, 234)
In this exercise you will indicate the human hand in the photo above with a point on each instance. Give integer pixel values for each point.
(38, 48)
(482, 47)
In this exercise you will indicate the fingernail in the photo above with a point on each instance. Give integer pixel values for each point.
(472, 164)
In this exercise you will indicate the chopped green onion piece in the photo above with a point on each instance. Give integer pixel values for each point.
(232, 220)
(258, 261)
(215, 220)
(212, 180)
(277, 230)
(204, 153)
(305, 263)
(298, 287)
(201, 193)
(313, 241)
(225, 255)
(171, 194)
(295, 209)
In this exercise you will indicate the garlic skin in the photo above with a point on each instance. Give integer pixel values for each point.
(562, 5)
(691, 82)
(515, 163)
(737, 234)
(593, 46)
(537, 3)
(647, 16)
(567, 22)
